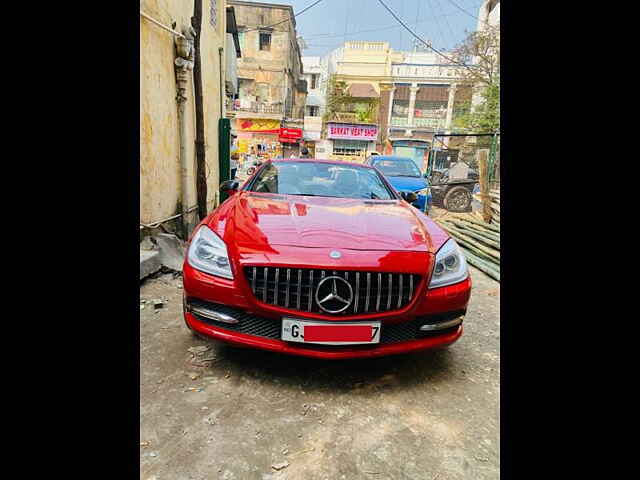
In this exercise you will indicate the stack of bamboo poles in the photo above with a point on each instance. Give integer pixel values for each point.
(494, 198)
(480, 240)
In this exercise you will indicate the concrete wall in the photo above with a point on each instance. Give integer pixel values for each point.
(160, 169)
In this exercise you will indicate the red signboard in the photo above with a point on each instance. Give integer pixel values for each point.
(291, 133)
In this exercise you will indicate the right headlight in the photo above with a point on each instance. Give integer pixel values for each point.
(208, 253)
(451, 265)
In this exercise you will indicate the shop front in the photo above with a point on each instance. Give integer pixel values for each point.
(258, 138)
(290, 139)
(352, 142)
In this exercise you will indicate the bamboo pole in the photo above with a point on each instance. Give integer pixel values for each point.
(475, 228)
(480, 265)
(484, 185)
(473, 219)
(474, 246)
(471, 234)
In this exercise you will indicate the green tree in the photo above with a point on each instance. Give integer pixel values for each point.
(482, 49)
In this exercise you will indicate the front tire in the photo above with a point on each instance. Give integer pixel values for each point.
(457, 199)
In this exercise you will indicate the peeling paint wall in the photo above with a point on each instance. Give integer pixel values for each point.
(160, 169)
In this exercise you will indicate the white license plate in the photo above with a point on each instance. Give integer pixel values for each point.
(330, 333)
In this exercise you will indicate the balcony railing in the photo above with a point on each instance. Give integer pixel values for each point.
(352, 117)
(254, 107)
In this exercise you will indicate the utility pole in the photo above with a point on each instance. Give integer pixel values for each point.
(201, 175)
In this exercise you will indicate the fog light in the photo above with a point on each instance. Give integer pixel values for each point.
(430, 327)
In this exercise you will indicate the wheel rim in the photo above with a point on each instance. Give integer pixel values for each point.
(458, 200)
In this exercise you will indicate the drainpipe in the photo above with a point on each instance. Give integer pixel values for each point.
(183, 65)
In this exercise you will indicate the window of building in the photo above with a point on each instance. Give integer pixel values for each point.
(314, 81)
(265, 41)
(349, 147)
(314, 111)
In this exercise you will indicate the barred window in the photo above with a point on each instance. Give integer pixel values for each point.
(349, 147)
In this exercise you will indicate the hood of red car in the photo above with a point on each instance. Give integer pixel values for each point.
(264, 220)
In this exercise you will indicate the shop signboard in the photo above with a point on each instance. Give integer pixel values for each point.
(262, 125)
(352, 132)
(290, 135)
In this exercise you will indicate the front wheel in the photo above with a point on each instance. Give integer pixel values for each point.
(250, 170)
(457, 199)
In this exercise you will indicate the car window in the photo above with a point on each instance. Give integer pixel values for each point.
(322, 180)
(397, 168)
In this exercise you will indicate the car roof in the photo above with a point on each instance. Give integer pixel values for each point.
(314, 160)
(391, 157)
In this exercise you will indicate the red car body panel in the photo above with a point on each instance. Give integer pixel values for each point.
(294, 231)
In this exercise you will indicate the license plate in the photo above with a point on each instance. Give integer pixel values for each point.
(330, 333)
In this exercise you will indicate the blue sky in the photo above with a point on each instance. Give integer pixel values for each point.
(323, 26)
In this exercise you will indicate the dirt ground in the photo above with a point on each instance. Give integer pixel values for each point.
(227, 413)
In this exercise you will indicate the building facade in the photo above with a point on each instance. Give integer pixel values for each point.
(316, 76)
(394, 102)
(426, 90)
(267, 114)
(167, 107)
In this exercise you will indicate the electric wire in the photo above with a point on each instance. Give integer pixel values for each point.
(456, 62)
(462, 9)
(453, 35)
(286, 20)
(323, 36)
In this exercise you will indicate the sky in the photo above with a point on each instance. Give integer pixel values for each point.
(323, 26)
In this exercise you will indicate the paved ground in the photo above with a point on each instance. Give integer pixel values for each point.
(233, 414)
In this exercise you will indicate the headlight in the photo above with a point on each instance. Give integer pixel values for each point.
(451, 265)
(208, 253)
(425, 191)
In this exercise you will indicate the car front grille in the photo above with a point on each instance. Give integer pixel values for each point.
(295, 288)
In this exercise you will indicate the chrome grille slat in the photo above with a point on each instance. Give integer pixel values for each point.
(366, 306)
(286, 297)
(310, 290)
(410, 287)
(355, 306)
(264, 288)
(283, 290)
(299, 288)
(253, 280)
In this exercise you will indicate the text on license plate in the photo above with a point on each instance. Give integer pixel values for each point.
(331, 333)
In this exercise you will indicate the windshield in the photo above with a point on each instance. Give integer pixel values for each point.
(321, 180)
(397, 167)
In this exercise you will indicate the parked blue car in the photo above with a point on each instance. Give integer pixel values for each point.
(405, 176)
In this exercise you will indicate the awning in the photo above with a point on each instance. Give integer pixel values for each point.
(362, 90)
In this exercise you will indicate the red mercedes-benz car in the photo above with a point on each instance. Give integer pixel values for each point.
(323, 259)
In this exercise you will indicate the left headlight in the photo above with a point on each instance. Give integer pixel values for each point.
(208, 253)
(451, 265)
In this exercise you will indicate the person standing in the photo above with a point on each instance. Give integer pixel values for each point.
(304, 153)
(234, 165)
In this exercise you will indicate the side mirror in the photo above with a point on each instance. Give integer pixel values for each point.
(229, 186)
(409, 196)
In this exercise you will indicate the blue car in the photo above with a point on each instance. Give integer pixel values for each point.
(403, 174)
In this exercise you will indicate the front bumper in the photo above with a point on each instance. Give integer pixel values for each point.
(261, 328)
(329, 352)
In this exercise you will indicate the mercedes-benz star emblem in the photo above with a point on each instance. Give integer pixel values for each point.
(335, 254)
(334, 294)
